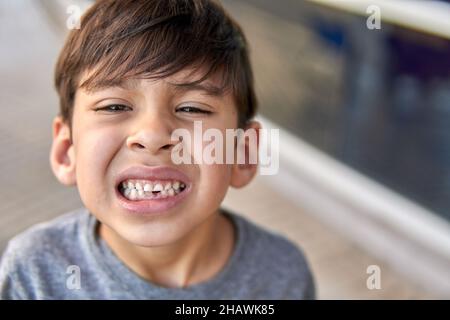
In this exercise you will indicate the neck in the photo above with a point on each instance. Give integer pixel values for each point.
(192, 259)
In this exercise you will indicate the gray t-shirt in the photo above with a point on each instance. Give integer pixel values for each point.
(66, 259)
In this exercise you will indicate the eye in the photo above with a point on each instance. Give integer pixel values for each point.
(113, 108)
(190, 109)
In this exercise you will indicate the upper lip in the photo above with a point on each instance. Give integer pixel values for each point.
(152, 173)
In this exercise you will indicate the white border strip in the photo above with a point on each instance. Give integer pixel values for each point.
(425, 16)
(410, 238)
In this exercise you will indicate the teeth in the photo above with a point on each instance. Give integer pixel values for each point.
(133, 194)
(138, 190)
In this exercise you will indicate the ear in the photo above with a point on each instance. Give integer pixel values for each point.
(62, 156)
(243, 173)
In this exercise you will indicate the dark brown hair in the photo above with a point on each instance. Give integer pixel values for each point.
(153, 39)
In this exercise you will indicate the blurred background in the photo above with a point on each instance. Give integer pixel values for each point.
(363, 115)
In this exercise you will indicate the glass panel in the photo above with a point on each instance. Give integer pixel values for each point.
(378, 100)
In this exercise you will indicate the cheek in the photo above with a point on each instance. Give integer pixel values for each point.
(214, 181)
(94, 153)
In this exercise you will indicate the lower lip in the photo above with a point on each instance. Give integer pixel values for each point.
(155, 206)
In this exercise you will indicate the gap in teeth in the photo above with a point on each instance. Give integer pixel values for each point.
(144, 189)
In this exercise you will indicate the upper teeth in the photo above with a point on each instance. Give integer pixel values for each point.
(136, 189)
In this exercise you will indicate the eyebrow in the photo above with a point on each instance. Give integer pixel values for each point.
(207, 89)
(179, 88)
(99, 85)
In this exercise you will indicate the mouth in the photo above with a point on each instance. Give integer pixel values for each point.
(151, 189)
(137, 190)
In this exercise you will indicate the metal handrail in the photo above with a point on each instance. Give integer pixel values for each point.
(432, 17)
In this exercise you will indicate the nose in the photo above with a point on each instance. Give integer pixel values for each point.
(152, 133)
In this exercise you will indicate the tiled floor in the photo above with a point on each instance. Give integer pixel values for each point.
(29, 193)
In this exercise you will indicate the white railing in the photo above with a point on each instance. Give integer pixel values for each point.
(422, 15)
(410, 238)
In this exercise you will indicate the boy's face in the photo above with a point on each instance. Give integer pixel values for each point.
(136, 133)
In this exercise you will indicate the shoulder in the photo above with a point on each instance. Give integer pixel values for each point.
(275, 259)
(47, 236)
(41, 248)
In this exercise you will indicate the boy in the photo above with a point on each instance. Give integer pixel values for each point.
(135, 72)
